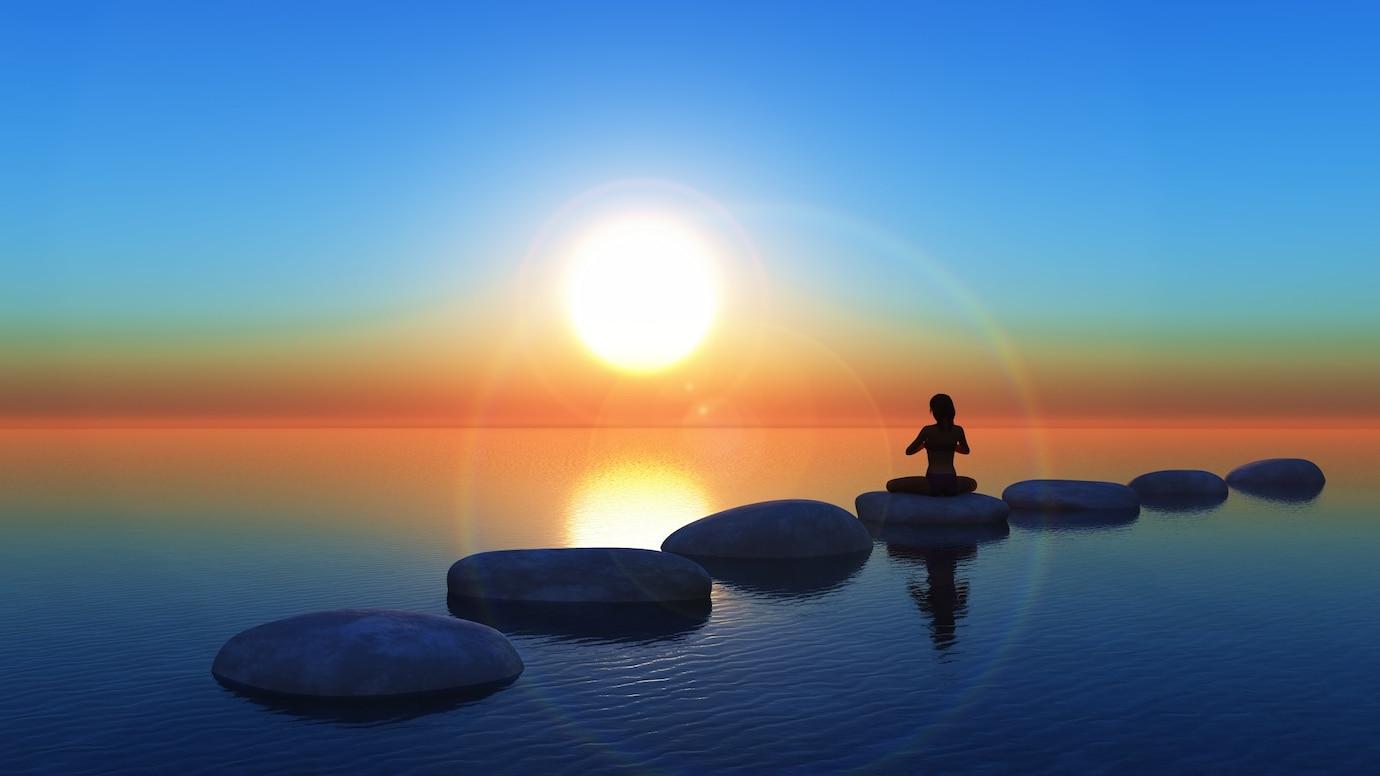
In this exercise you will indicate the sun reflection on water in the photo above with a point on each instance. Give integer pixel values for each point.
(632, 503)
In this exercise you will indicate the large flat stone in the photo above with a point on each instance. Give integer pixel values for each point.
(367, 653)
(605, 575)
(793, 528)
(1287, 479)
(1070, 496)
(1175, 488)
(911, 509)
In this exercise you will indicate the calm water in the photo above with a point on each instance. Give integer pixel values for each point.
(1244, 638)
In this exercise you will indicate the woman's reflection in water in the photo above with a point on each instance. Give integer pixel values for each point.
(941, 595)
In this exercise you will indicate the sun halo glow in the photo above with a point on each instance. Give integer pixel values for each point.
(642, 292)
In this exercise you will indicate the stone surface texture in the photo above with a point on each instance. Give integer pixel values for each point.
(579, 575)
(367, 653)
(912, 509)
(1070, 496)
(793, 528)
(1282, 472)
(1179, 486)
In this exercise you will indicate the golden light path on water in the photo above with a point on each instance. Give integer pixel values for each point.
(632, 503)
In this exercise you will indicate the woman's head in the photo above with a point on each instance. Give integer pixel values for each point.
(942, 408)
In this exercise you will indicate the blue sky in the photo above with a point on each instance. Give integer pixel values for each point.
(1141, 166)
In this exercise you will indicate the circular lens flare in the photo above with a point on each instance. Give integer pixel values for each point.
(642, 292)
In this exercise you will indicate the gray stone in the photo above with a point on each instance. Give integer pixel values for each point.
(793, 528)
(605, 575)
(1070, 496)
(367, 653)
(1179, 488)
(913, 509)
(1283, 478)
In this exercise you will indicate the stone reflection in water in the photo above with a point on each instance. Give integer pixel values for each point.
(355, 712)
(633, 502)
(1290, 493)
(630, 622)
(1086, 520)
(785, 577)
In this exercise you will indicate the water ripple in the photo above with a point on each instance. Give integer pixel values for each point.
(1243, 639)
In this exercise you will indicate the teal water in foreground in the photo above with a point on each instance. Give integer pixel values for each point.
(1241, 638)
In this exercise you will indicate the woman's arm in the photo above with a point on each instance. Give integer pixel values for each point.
(914, 447)
(962, 448)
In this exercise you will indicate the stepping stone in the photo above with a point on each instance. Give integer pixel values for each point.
(362, 654)
(793, 528)
(1180, 488)
(1070, 496)
(604, 575)
(911, 509)
(1285, 479)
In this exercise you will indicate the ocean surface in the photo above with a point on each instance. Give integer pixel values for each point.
(1242, 638)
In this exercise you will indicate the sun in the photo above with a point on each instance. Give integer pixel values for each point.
(642, 291)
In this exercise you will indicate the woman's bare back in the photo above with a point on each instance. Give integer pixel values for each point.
(940, 444)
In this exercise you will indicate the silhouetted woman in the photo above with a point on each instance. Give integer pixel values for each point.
(940, 442)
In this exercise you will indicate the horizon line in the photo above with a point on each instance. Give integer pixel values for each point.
(1093, 422)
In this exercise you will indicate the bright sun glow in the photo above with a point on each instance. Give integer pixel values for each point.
(642, 292)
